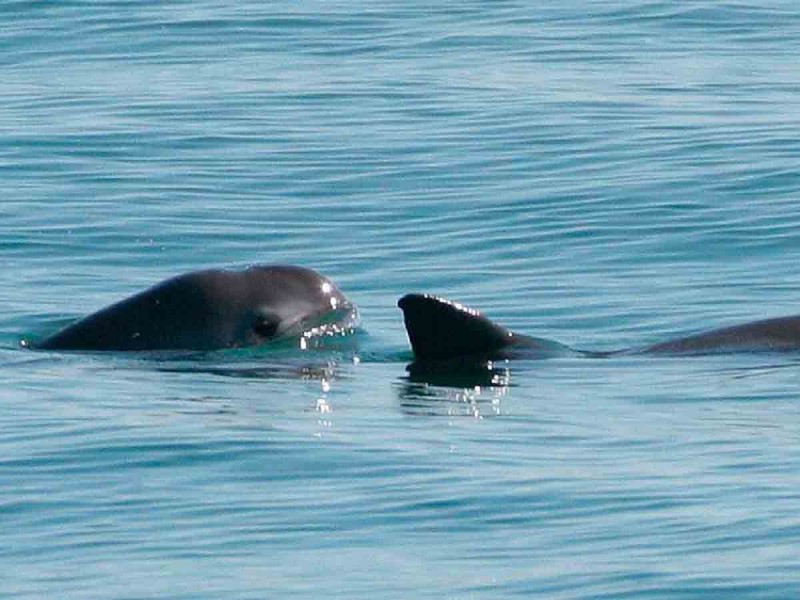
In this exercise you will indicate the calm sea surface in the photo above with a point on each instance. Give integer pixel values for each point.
(600, 173)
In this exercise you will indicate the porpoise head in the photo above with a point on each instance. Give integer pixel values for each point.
(215, 309)
(291, 301)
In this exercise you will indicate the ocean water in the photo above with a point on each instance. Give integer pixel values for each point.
(605, 174)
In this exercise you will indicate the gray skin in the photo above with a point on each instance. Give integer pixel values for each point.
(440, 329)
(214, 309)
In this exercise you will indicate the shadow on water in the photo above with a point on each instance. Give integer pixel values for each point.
(318, 358)
(459, 373)
(473, 388)
(748, 371)
(305, 369)
(477, 389)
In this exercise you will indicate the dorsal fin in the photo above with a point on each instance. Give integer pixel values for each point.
(441, 329)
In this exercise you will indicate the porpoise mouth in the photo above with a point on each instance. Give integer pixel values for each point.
(339, 321)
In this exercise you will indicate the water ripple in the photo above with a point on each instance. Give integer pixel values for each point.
(605, 174)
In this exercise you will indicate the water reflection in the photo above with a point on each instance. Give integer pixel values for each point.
(447, 389)
(323, 372)
(321, 375)
(460, 373)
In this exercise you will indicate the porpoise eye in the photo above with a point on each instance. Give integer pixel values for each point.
(265, 328)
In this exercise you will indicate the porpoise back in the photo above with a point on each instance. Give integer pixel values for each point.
(780, 334)
(440, 329)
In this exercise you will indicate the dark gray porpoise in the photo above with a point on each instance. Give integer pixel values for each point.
(213, 309)
(440, 329)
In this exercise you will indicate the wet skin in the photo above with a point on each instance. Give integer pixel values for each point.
(213, 309)
(440, 329)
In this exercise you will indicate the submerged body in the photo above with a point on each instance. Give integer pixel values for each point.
(781, 334)
(214, 309)
(440, 329)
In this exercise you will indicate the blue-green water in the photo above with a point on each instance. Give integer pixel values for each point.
(601, 173)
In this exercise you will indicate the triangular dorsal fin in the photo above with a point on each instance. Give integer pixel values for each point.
(441, 329)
